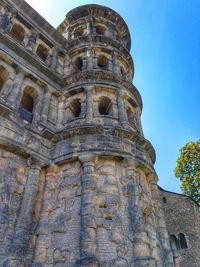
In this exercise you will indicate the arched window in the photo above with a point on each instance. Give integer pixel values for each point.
(42, 52)
(18, 32)
(122, 70)
(182, 241)
(27, 104)
(105, 106)
(78, 63)
(102, 62)
(100, 30)
(74, 109)
(164, 200)
(131, 117)
(78, 31)
(174, 243)
(3, 76)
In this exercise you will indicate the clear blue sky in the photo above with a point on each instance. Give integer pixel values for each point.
(166, 52)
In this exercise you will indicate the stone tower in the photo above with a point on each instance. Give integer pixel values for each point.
(77, 184)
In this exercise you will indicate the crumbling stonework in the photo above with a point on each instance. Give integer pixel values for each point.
(78, 186)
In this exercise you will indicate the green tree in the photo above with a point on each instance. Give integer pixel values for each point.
(188, 169)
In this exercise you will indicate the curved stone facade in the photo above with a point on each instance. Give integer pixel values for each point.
(78, 186)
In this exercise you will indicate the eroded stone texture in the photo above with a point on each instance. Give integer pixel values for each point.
(77, 182)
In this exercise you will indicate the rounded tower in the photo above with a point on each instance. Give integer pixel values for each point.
(104, 162)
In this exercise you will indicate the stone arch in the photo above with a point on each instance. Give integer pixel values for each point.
(105, 106)
(18, 32)
(42, 51)
(27, 103)
(102, 62)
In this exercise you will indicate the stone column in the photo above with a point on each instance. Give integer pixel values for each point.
(160, 221)
(115, 62)
(89, 60)
(139, 238)
(20, 242)
(6, 89)
(121, 108)
(45, 106)
(12, 100)
(67, 68)
(54, 60)
(88, 25)
(60, 113)
(88, 244)
(89, 103)
(37, 109)
(110, 65)
(31, 40)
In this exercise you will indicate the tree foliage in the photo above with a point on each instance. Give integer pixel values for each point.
(188, 169)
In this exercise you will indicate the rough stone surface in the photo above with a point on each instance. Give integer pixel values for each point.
(182, 216)
(77, 182)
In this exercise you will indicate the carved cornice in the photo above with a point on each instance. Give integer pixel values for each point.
(114, 131)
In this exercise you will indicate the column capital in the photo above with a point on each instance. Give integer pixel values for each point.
(88, 88)
(87, 158)
(20, 70)
(34, 163)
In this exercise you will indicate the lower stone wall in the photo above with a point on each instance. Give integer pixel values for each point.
(97, 211)
(13, 176)
(182, 217)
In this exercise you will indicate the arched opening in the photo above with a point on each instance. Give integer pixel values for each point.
(174, 243)
(74, 109)
(182, 241)
(4, 75)
(164, 200)
(105, 106)
(102, 62)
(18, 32)
(78, 31)
(27, 104)
(131, 117)
(42, 52)
(100, 30)
(122, 70)
(78, 63)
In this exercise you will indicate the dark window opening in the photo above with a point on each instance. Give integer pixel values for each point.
(3, 76)
(78, 63)
(78, 31)
(131, 117)
(27, 105)
(102, 62)
(105, 106)
(100, 30)
(102, 206)
(75, 107)
(182, 240)
(108, 217)
(123, 73)
(42, 52)
(18, 32)
(164, 200)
